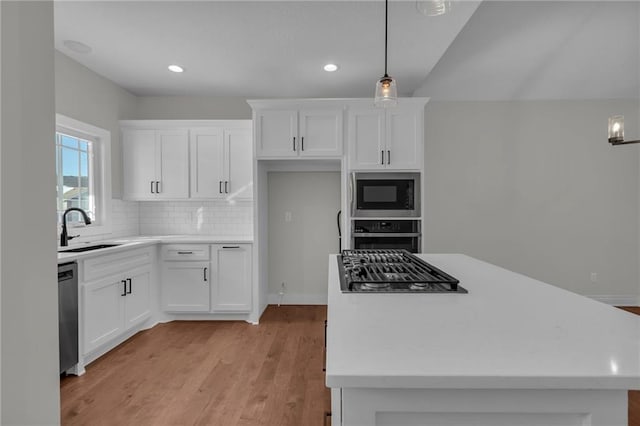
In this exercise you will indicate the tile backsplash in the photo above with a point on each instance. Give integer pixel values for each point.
(124, 218)
(218, 218)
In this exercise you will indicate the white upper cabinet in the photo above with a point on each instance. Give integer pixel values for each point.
(366, 137)
(386, 138)
(155, 164)
(298, 132)
(239, 151)
(173, 160)
(207, 163)
(320, 133)
(277, 132)
(404, 137)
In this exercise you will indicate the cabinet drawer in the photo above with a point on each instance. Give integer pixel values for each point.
(112, 264)
(185, 252)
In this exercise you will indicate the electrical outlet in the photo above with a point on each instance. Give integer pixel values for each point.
(281, 292)
(287, 216)
(594, 277)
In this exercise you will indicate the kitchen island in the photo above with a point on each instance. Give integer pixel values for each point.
(513, 351)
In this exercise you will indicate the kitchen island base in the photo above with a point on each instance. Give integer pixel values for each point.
(479, 407)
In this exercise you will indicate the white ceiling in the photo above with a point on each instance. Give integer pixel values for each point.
(266, 49)
(257, 49)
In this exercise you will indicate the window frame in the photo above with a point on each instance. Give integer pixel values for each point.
(101, 176)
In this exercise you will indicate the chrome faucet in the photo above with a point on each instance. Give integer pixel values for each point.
(64, 237)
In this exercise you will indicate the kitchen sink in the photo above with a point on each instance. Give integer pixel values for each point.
(88, 248)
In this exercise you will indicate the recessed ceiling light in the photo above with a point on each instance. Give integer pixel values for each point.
(175, 68)
(330, 67)
(77, 47)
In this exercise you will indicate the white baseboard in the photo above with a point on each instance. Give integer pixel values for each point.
(297, 299)
(616, 300)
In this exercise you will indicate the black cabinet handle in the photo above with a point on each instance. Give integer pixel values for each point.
(388, 157)
(220, 186)
(382, 157)
(185, 252)
(129, 281)
(226, 186)
(230, 247)
(152, 187)
(324, 364)
(205, 273)
(302, 140)
(157, 187)
(294, 143)
(124, 287)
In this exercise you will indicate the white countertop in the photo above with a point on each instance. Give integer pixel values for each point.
(126, 243)
(509, 332)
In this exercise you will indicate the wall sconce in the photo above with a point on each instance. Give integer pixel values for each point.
(616, 131)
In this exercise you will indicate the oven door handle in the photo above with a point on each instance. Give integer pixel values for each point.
(351, 194)
(385, 234)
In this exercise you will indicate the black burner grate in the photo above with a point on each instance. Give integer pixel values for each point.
(392, 270)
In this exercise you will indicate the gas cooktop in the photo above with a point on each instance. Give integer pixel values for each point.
(392, 271)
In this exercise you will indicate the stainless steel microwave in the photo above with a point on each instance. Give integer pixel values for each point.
(385, 194)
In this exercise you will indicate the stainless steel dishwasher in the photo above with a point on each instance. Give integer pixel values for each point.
(68, 314)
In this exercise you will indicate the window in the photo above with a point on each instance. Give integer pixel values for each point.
(74, 158)
(83, 166)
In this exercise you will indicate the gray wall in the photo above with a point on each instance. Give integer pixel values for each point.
(313, 198)
(535, 187)
(85, 96)
(191, 108)
(29, 311)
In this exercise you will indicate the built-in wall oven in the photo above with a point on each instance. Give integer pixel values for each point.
(385, 195)
(386, 234)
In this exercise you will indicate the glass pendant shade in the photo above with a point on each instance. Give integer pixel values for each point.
(433, 7)
(386, 92)
(616, 128)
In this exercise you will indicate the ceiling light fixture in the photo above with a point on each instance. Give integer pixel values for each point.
(175, 68)
(433, 7)
(386, 88)
(330, 67)
(77, 47)
(616, 131)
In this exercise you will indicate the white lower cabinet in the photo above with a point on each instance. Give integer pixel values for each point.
(186, 286)
(220, 284)
(231, 267)
(114, 305)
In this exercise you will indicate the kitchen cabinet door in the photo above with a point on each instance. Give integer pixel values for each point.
(231, 289)
(139, 163)
(207, 152)
(172, 164)
(138, 299)
(276, 133)
(103, 303)
(404, 138)
(185, 286)
(240, 164)
(366, 138)
(320, 133)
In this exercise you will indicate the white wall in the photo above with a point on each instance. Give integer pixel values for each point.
(298, 249)
(88, 97)
(535, 187)
(30, 381)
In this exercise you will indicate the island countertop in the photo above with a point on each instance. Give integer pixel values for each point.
(509, 332)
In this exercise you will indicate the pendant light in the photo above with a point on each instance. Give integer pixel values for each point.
(386, 89)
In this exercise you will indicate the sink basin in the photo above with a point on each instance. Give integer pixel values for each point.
(88, 248)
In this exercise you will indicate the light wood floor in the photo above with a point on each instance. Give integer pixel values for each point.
(209, 373)
(216, 373)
